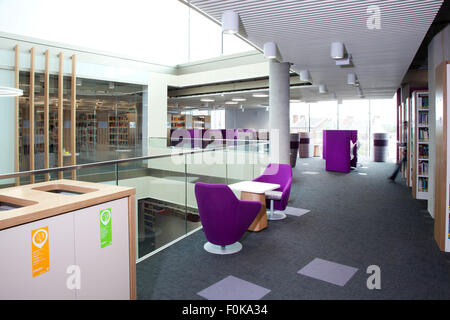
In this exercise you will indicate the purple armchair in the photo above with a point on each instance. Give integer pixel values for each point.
(224, 217)
(279, 174)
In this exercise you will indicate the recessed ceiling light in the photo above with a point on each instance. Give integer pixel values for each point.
(231, 102)
(207, 100)
(260, 95)
(239, 99)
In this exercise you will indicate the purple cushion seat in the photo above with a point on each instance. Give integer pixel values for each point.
(278, 174)
(224, 217)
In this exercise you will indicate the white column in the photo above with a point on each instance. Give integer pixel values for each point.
(157, 109)
(279, 95)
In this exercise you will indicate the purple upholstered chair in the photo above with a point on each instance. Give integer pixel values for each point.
(278, 174)
(224, 217)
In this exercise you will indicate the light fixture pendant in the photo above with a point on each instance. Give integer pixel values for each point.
(270, 50)
(304, 75)
(322, 88)
(351, 79)
(10, 92)
(230, 22)
(337, 50)
(359, 92)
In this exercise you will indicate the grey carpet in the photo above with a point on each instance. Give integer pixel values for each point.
(354, 220)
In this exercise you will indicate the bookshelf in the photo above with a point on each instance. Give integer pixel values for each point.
(118, 129)
(420, 101)
(86, 131)
(188, 121)
(201, 122)
(178, 121)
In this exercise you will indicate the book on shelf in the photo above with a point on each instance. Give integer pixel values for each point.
(423, 134)
(423, 168)
(423, 151)
(422, 184)
(422, 118)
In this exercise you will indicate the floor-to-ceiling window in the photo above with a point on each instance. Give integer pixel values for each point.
(354, 115)
(299, 117)
(323, 116)
(368, 116)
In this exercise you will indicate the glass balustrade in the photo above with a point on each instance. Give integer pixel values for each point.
(164, 179)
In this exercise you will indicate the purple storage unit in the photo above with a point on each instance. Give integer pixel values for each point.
(337, 150)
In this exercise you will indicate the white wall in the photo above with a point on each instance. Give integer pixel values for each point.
(249, 119)
(438, 51)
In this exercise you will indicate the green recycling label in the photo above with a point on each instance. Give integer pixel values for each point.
(105, 228)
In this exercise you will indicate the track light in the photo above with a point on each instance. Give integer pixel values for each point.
(337, 50)
(230, 22)
(351, 79)
(359, 92)
(270, 50)
(304, 75)
(260, 95)
(322, 88)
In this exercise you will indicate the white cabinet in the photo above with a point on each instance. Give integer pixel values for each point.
(16, 280)
(74, 239)
(104, 271)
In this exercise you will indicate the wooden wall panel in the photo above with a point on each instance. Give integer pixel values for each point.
(60, 113)
(46, 114)
(16, 114)
(31, 115)
(440, 183)
(73, 116)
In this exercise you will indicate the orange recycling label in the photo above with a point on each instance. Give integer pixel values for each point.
(40, 256)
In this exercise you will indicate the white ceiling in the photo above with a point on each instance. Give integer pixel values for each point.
(304, 31)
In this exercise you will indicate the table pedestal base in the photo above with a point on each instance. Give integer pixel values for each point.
(260, 221)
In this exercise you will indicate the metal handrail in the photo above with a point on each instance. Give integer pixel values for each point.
(107, 162)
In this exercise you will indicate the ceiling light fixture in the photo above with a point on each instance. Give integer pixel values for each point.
(347, 61)
(359, 92)
(260, 95)
(230, 22)
(10, 92)
(207, 100)
(231, 102)
(239, 99)
(270, 50)
(304, 75)
(351, 79)
(337, 50)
